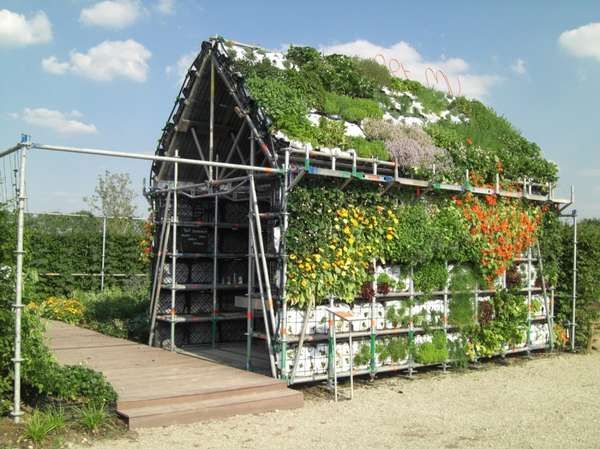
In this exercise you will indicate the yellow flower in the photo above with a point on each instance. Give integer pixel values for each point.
(292, 256)
(304, 283)
(389, 236)
(317, 257)
(351, 240)
(346, 230)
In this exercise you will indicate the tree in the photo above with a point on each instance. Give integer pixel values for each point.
(113, 196)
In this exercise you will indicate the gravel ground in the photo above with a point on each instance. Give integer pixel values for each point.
(548, 402)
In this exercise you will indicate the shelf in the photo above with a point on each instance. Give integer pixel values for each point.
(219, 255)
(205, 286)
(356, 334)
(208, 255)
(406, 366)
(204, 224)
(367, 333)
(441, 293)
(190, 318)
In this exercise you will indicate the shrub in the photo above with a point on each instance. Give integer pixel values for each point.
(377, 73)
(588, 280)
(117, 312)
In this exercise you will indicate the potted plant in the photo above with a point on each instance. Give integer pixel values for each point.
(384, 283)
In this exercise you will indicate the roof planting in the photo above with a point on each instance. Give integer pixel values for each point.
(341, 103)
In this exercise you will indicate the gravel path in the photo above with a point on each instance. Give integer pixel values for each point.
(548, 402)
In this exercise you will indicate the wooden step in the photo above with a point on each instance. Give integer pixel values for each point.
(202, 410)
(168, 399)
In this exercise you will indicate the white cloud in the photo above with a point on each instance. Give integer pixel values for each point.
(51, 65)
(165, 6)
(64, 123)
(105, 62)
(114, 14)
(403, 60)
(519, 67)
(16, 30)
(582, 42)
(182, 66)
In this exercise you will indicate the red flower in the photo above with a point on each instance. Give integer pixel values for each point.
(469, 141)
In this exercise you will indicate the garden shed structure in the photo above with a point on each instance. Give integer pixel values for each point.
(220, 260)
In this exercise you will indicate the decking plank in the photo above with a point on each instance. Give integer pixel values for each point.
(176, 387)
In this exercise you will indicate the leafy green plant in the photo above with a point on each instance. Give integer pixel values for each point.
(363, 356)
(461, 306)
(432, 100)
(396, 348)
(41, 424)
(436, 351)
(398, 316)
(351, 109)
(457, 352)
(430, 277)
(369, 148)
(93, 416)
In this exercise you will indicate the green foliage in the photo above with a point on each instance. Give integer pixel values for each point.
(588, 279)
(351, 109)
(117, 312)
(369, 148)
(365, 226)
(302, 56)
(372, 70)
(436, 351)
(432, 100)
(68, 245)
(486, 140)
(457, 352)
(461, 307)
(430, 277)
(507, 328)
(396, 348)
(77, 384)
(113, 196)
(283, 103)
(398, 316)
(363, 356)
(41, 424)
(93, 416)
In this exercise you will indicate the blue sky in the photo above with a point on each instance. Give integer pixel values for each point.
(105, 74)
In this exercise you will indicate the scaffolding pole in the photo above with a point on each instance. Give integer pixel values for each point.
(173, 256)
(103, 262)
(574, 293)
(18, 305)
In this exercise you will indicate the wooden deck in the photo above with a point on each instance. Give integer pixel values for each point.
(158, 388)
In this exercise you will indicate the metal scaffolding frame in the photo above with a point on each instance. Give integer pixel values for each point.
(221, 185)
